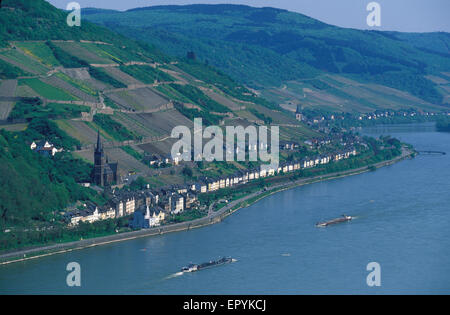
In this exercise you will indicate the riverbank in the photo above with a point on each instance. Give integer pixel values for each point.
(212, 218)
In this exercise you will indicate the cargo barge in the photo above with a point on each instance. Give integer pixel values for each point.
(213, 263)
(345, 218)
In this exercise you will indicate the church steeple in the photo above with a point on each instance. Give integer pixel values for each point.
(105, 173)
(99, 147)
(298, 113)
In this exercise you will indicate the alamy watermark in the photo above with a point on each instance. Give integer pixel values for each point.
(73, 279)
(74, 17)
(374, 17)
(374, 277)
(238, 144)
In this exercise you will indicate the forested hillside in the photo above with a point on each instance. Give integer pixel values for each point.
(268, 47)
(35, 188)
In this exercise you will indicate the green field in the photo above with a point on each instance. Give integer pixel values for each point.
(47, 91)
(25, 62)
(39, 51)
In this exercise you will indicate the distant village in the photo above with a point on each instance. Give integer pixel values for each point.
(322, 121)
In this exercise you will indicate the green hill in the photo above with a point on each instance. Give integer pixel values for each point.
(266, 47)
(64, 84)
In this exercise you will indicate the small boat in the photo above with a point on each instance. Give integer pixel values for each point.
(345, 218)
(213, 263)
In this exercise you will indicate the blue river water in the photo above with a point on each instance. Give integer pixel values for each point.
(403, 216)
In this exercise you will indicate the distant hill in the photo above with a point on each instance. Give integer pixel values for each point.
(267, 47)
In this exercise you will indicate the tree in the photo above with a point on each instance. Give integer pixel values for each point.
(187, 171)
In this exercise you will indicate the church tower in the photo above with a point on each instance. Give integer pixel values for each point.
(99, 162)
(105, 173)
(298, 113)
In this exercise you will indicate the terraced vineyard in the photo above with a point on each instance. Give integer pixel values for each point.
(7, 89)
(81, 131)
(130, 88)
(158, 147)
(76, 49)
(39, 51)
(337, 93)
(121, 76)
(77, 92)
(47, 90)
(144, 99)
(23, 61)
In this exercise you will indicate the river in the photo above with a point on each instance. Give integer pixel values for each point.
(402, 222)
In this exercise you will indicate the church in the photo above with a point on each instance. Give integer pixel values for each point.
(298, 113)
(105, 173)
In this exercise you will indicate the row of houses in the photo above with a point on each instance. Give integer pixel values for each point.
(155, 205)
(243, 177)
(150, 208)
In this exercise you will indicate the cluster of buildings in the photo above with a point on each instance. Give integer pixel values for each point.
(401, 113)
(45, 148)
(158, 161)
(152, 205)
(150, 208)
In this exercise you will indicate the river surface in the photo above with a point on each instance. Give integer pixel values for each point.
(403, 223)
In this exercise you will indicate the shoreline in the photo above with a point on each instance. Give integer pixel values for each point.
(212, 218)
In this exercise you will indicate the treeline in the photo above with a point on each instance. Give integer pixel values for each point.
(19, 238)
(33, 108)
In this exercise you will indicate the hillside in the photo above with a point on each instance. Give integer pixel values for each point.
(64, 84)
(269, 48)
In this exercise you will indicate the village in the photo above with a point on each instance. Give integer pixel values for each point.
(151, 207)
